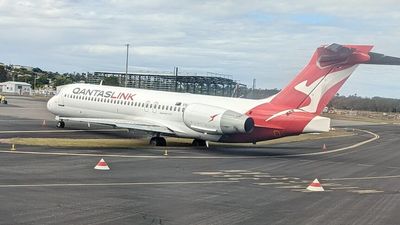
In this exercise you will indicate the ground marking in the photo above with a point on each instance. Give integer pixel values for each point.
(59, 131)
(116, 184)
(375, 137)
(364, 178)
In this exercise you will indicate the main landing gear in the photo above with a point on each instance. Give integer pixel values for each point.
(60, 124)
(199, 143)
(158, 141)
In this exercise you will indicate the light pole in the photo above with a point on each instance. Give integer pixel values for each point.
(126, 65)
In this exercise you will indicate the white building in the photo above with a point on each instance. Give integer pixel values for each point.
(29, 68)
(13, 87)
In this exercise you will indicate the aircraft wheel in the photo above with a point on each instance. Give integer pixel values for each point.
(60, 124)
(199, 143)
(158, 141)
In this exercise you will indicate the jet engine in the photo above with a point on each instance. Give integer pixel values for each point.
(216, 120)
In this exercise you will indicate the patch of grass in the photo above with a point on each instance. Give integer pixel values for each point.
(302, 137)
(364, 116)
(128, 143)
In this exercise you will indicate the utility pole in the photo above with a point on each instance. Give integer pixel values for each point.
(176, 79)
(253, 88)
(126, 65)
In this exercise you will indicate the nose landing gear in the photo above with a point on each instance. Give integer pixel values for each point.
(60, 124)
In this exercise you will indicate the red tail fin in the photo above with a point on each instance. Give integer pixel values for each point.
(319, 81)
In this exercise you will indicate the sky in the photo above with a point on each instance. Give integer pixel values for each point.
(270, 41)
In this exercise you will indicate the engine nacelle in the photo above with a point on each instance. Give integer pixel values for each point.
(216, 120)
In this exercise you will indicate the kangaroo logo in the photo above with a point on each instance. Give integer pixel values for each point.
(212, 117)
(316, 90)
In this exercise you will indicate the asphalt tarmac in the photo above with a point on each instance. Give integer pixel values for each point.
(220, 185)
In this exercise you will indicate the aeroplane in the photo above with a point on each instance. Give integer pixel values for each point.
(294, 110)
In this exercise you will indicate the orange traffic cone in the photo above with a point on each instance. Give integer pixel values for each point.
(315, 186)
(102, 165)
(324, 147)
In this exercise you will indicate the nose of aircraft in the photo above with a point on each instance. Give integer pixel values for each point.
(51, 104)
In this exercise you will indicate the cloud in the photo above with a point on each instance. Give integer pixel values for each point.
(267, 40)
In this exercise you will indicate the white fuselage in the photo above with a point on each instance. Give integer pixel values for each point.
(166, 108)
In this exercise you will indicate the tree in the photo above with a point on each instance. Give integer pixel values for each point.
(37, 70)
(41, 81)
(3, 74)
(62, 80)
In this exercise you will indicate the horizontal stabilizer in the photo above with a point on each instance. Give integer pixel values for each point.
(381, 59)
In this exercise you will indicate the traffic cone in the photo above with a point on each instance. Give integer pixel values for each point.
(102, 165)
(44, 123)
(324, 147)
(315, 186)
(166, 152)
(13, 147)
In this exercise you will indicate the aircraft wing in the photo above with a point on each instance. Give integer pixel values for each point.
(136, 124)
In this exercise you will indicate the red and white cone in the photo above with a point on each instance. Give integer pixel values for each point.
(315, 186)
(102, 165)
(44, 123)
(324, 147)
